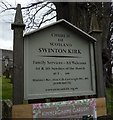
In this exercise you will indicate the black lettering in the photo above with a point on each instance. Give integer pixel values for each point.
(69, 51)
(54, 50)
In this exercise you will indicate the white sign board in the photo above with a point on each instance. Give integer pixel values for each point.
(58, 62)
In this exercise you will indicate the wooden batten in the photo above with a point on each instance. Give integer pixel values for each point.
(22, 111)
(25, 111)
(101, 107)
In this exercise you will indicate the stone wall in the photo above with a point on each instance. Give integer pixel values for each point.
(6, 108)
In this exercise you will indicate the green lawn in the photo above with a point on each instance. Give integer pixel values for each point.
(6, 88)
(109, 101)
(0, 88)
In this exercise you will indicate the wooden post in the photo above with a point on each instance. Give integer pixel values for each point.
(96, 33)
(18, 57)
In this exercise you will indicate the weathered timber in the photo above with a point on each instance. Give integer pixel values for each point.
(96, 33)
(18, 56)
(25, 111)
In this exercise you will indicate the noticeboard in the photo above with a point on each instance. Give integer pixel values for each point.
(79, 109)
(58, 62)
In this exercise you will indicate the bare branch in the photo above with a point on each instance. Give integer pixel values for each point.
(35, 14)
(35, 4)
(46, 20)
(5, 6)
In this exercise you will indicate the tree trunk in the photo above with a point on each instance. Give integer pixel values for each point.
(74, 12)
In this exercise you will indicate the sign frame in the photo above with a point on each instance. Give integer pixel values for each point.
(91, 43)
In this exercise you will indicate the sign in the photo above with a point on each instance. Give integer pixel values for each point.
(58, 62)
(28, 111)
(66, 109)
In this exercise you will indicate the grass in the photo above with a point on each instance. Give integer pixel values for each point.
(6, 88)
(0, 88)
(109, 98)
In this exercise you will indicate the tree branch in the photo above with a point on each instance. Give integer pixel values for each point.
(34, 14)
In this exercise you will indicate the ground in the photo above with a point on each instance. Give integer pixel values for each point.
(6, 88)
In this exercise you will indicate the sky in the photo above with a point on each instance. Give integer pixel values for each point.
(6, 34)
(6, 18)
